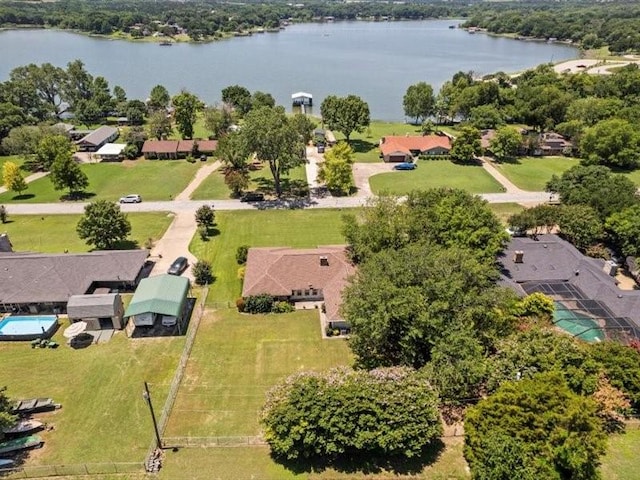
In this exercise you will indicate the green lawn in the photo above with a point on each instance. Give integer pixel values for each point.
(622, 461)
(634, 176)
(533, 173)
(214, 188)
(504, 210)
(153, 179)
(57, 233)
(293, 228)
(103, 416)
(435, 173)
(366, 143)
(255, 462)
(236, 358)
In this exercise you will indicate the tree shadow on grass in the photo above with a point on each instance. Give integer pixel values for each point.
(508, 160)
(126, 244)
(289, 187)
(24, 196)
(77, 196)
(362, 146)
(367, 463)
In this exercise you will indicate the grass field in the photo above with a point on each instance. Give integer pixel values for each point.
(505, 210)
(154, 180)
(236, 359)
(293, 228)
(533, 173)
(214, 187)
(622, 461)
(255, 463)
(57, 233)
(435, 173)
(634, 176)
(103, 416)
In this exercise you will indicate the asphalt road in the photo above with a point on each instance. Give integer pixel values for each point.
(222, 205)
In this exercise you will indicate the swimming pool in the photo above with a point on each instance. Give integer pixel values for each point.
(27, 327)
(577, 324)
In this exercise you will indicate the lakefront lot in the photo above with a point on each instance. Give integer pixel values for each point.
(152, 179)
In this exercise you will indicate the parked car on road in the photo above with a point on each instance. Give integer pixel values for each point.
(133, 198)
(252, 197)
(178, 266)
(406, 166)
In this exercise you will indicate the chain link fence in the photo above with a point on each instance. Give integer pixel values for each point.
(71, 470)
(239, 441)
(192, 330)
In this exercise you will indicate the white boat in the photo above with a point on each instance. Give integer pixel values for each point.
(6, 463)
(23, 426)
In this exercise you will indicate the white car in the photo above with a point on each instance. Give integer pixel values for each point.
(134, 198)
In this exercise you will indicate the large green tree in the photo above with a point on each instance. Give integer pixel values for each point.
(341, 413)
(218, 120)
(419, 101)
(614, 143)
(556, 434)
(51, 148)
(596, 186)
(103, 225)
(186, 107)
(466, 146)
(159, 98)
(506, 143)
(624, 230)
(67, 174)
(238, 97)
(269, 133)
(621, 365)
(581, 225)
(404, 301)
(336, 170)
(345, 114)
(159, 125)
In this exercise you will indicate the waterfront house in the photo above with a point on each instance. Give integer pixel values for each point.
(407, 148)
(97, 138)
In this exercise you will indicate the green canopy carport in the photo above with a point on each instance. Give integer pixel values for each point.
(162, 295)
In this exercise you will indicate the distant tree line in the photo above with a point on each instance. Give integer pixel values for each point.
(588, 24)
(205, 19)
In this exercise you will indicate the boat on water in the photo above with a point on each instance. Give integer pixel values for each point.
(23, 426)
(166, 43)
(21, 443)
(34, 405)
(452, 26)
(5, 463)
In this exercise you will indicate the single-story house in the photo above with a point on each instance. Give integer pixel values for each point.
(98, 310)
(203, 147)
(44, 282)
(164, 298)
(111, 152)
(579, 284)
(407, 148)
(173, 149)
(96, 139)
(315, 274)
(302, 98)
(160, 149)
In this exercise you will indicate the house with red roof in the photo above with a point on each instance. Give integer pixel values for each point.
(300, 275)
(173, 149)
(410, 147)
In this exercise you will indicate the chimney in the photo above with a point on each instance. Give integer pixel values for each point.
(324, 261)
(518, 256)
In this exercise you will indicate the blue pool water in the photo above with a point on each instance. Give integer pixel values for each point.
(18, 327)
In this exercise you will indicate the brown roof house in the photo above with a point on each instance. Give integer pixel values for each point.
(315, 274)
(405, 149)
(160, 149)
(203, 147)
(551, 143)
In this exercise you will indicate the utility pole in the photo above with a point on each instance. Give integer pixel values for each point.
(147, 396)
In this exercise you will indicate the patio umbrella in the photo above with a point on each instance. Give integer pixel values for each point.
(75, 329)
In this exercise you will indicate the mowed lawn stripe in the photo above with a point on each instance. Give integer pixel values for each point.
(152, 179)
(236, 359)
(57, 233)
(533, 173)
(435, 173)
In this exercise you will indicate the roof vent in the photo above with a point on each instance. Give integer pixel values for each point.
(324, 261)
(518, 256)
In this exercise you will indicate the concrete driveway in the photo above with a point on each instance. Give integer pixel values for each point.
(363, 171)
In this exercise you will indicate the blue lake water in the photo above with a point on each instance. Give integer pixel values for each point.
(375, 60)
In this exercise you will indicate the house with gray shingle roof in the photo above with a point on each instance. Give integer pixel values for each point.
(96, 139)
